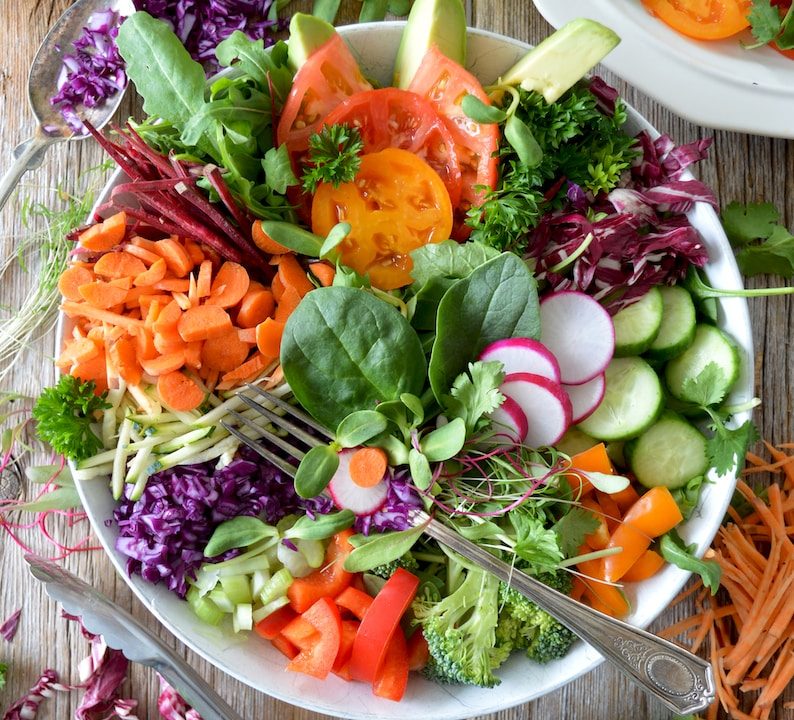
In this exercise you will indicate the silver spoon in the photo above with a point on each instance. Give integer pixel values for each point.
(42, 82)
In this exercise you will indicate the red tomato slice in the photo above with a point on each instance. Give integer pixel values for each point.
(330, 75)
(380, 623)
(702, 19)
(400, 119)
(445, 83)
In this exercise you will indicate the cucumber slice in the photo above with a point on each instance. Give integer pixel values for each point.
(670, 453)
(678, 324)
(710, 345)
(631, 404)
(637, 325)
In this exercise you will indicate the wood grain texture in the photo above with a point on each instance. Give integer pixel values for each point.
(740, 167)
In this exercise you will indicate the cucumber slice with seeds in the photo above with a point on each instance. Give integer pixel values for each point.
(678, 324)
(631, 404)
(637, 325)
(670, 453)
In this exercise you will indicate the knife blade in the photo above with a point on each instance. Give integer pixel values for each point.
(123, 632)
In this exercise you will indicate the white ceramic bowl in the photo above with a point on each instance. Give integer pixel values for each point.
(716, 83)
(255, 662)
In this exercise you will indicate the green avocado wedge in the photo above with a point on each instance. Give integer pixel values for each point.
(431, 22)
(564, 57)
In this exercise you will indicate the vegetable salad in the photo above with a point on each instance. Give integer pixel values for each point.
(489, 299)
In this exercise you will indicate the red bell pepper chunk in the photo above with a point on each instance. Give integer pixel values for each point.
(418, 651)
(300, 632)
(273, 624)
(318, 656)
(285, 647)
(329, 580)
(356, 601)
(392, 676)
(342, 662)
(379, 624)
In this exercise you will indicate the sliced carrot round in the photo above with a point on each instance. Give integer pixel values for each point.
(119, 264)
(124, 356)
(71, 279)
(368, 466)
(105, 235)
(229, 286)
(255, 307)
(154, 274)
(225, 352)
(179, 392)
(175, 256)
(203, 322)
(102, 295)
(268, 337)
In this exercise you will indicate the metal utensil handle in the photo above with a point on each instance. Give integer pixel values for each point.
(27, 156)
(194, 689)
(681, 680)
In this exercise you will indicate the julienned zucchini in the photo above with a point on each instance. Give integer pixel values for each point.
(671, 452)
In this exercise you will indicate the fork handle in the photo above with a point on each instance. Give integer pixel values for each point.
(28, 155)
(679, 679)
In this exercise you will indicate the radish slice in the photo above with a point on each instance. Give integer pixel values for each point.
(347, 495)
(580, 333)
(510, 423)
(545, 405)
(585, 398)
(523, 355)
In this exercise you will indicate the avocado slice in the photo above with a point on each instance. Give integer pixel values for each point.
(306, 34)
(564, 57)
(431, 22)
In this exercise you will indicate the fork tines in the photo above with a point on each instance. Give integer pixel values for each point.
(282, 421)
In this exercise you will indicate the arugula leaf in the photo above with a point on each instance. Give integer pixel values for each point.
(476, 393)
(688, 496)
(762, 244)
(728, 446)
(572, 527)
(278, 169)
(675, 551)
(708, 387)
(535, 543)
(3, 670)
(334, 154)
(764, 22)
(64, 415)
(267, 67)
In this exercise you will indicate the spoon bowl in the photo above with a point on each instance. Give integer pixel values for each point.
(43, 84)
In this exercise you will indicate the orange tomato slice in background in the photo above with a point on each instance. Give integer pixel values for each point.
(702, 19)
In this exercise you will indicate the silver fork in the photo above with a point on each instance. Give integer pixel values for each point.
(679, 679)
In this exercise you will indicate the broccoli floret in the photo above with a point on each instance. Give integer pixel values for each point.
(406, 562)
(460, 631)
(524, 626)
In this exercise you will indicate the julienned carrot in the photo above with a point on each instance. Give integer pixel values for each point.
(181, 285)
(164, 364)
(204, 279)
(268, 337)
(179, 392)
(229, 286)
(123, 353)
(277, 288)
(324, 273)
(105, 235)
(750, 637)
(71, 279)
(203, 322)
(73, 309)
(293, 275)
(256, 307)
(368, 466)
(118, 264)
(247, 371)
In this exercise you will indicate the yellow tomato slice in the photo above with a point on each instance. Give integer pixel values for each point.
(702, 19)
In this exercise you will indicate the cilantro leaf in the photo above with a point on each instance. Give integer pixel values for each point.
(476, 393)
(764, 22)
(774, 256)
(535, 543)
(3, 669)
(745, 223)
(334, 154)
(572, 527)
(675, 551)
(64, 415)
(728, 446)
(707, 387)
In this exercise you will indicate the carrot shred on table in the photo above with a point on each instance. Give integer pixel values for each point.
(749, 627)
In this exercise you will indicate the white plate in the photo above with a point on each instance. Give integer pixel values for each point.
(716, 83)
(256, 663)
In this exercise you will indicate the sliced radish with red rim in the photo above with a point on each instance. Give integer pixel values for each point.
(509, 423)
(585, 398)
(580, 334)
(347, 495)
(523, 355)
(544, 403)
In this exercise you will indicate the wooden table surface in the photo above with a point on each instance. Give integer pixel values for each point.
(740, 167)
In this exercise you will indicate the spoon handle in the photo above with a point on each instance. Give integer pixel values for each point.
(27, 156)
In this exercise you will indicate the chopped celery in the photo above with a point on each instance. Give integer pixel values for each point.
(206, 610)
(237, 588)
(246, 566)
(120, 460)
(221, 600)
(259, 579)
(242, 619)
(276, 587)
(261, 613)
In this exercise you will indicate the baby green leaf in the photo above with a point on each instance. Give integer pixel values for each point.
(523, 141)
(337, 233)
(321, 526)
(377, 550)
(676, 552)
(293, 237)
(478, 111)
(315, 471)
(420, 469)
(359, 427)
(444, 442)
(238, 532)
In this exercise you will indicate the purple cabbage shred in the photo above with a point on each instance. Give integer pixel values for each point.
(164, 532)
(394, 514)
(172, 705)
(9, 628)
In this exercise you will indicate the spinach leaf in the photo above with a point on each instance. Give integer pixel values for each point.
(448, 259)
(345, 350)
(497, 300)
(170, 81)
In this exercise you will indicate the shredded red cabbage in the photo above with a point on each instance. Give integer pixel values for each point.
(164, 533)
(27, 707)
(9, 628)
(93, 72)
(172, 705)
(202, 24)
(393, 514)
(641, 236)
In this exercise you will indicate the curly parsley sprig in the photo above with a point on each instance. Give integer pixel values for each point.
(334, 156)
(64, 414)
